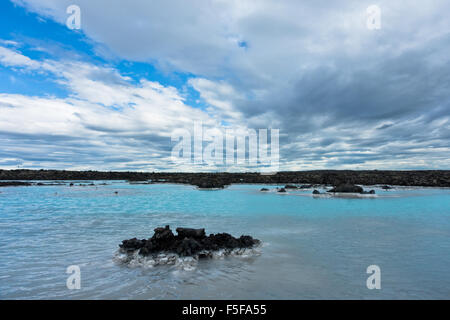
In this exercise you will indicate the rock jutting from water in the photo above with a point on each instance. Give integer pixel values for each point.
(187, 243)
(347, 188)
(203, 184)
(350, 188)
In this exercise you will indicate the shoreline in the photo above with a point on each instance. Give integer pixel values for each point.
(419, 178)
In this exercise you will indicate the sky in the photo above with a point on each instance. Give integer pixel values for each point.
(110, 95)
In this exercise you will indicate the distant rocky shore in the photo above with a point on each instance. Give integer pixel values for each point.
(426, 178)
(14, 184)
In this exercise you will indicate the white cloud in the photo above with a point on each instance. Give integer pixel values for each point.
(220, 96)
(11, 58)
(105, 111)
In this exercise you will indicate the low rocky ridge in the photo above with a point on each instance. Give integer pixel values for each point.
(346, 188)
(44, 184)
(14, 184)
(187, 243)
(350, 188)
(341, 188)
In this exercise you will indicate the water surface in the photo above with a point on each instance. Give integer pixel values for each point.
(313, 248)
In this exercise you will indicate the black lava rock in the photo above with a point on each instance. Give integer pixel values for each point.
(347, 188)
(187, 242)
(191, 233)
(210, 184)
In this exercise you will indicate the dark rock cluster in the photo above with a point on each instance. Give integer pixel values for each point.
(187, 242)
(41, 184)
(349, 188)
(210, 184)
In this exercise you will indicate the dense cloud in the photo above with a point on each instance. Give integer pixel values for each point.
(343, 96)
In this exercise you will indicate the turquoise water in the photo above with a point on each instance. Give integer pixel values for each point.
(313, 248)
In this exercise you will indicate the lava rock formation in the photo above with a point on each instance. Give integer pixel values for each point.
(187, 242)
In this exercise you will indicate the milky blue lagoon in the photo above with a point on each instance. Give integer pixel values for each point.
(313, 248)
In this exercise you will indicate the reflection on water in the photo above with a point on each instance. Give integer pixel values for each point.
(313, 248)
